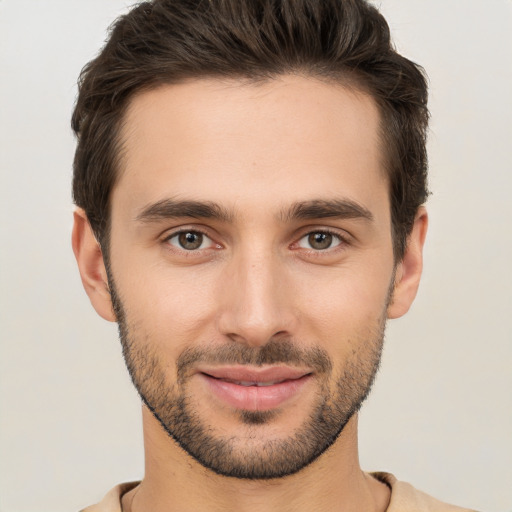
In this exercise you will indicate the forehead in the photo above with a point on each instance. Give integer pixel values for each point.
(259, 145)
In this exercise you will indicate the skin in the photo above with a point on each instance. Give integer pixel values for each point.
(256, 151)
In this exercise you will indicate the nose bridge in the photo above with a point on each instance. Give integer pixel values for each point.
(255, 306)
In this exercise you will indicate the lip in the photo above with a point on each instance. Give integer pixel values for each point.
(255, 389)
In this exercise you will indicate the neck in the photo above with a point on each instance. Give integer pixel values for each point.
(175, 482)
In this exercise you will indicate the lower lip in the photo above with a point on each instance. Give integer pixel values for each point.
(255, 398)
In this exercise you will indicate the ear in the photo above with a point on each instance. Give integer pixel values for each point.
(408, 271)
(91, 266)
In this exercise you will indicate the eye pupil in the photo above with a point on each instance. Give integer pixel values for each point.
(320, 241)
(190, 240)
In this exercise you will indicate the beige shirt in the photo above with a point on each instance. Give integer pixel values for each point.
(404, 498)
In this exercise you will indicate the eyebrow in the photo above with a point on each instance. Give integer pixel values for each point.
(322, 209)
(173, 209)
(302, 210)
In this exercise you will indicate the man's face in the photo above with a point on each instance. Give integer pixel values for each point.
(251, 265)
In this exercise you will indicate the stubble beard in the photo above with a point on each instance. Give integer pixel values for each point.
(267, 458)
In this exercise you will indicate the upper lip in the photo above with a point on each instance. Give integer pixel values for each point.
(252, 374)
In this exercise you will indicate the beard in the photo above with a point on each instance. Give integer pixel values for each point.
(340, 394)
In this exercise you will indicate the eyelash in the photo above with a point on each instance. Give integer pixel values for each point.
(343, 241)
(188, 252)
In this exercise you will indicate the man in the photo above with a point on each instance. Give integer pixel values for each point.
(249, 179)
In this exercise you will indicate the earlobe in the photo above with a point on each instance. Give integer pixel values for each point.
(91, 265)
(408, 271)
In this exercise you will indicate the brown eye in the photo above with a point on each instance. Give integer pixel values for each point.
(190, 240)
(319, 241)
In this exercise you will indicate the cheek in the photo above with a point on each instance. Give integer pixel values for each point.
(169, 307)
(343, 306)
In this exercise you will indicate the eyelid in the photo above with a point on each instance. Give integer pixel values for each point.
(172, 233)
(342, 236)
(336, 240)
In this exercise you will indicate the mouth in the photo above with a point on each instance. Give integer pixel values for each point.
(255, 389)
(252, 383)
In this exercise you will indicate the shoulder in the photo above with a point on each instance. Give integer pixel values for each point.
(112, 500)
(405, 498)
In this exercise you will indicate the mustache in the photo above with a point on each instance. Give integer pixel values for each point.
(273, 352)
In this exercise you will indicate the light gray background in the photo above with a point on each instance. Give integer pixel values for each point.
(440, 415)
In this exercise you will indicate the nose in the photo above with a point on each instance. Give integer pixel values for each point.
(256, 303)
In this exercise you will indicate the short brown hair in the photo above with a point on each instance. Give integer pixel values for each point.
(168, 41)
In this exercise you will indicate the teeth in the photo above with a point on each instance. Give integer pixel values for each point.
(250, 383)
